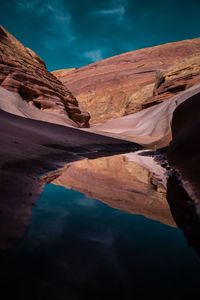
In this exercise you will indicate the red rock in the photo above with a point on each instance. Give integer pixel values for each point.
(22, 71)
(129, 82)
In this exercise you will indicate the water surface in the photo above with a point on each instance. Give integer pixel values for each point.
(80, 248)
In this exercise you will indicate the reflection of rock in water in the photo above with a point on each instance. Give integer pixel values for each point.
(18, 194)
(31, 148)
(120, 183)
(184, 212)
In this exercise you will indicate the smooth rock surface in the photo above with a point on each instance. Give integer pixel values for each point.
(12, 102)
(150, 127)
(184, 151)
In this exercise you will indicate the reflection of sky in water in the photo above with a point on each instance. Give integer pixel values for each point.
(81, 248)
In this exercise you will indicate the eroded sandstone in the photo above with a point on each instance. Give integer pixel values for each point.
(127, 83)
(23, 72)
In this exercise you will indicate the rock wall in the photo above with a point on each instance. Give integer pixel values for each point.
(184, 150)
(22, 71)
(127, 83)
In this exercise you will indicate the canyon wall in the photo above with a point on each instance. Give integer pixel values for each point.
(23, 72)
(127, 83)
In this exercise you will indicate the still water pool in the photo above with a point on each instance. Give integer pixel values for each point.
(80, 248)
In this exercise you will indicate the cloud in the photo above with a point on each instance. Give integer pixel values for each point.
(94, 55)
(58, 30)
(42, 7)
(26, 5)
(117, 10)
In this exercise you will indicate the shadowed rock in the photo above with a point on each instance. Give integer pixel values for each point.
(184, 212)
(184, 151)
(183, 189)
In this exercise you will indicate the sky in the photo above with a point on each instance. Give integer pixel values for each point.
(74, 33)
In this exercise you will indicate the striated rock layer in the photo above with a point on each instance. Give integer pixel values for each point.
(124, 84)
(23, 72)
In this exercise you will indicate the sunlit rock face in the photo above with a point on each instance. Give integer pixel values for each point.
(150, 127)
(22, 71)
(179, 77)
(120, 183)
(129, 82)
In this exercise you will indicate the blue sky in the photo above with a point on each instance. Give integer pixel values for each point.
(73, 33)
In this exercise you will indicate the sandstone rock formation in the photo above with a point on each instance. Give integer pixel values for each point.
(23, 72)
(119, 182)
(184, 151)
(12, 102)
(183, 188)
(150, 127)
(177, 78)
(129, 82)
(62, 72)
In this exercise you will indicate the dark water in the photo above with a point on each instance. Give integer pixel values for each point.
(79, 248)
